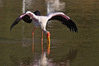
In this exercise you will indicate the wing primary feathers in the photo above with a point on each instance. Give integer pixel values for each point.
(25, 18)
(66, 21)
(14, 23)
(71, 25)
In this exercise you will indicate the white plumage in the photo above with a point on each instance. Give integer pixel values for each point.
(41, 21)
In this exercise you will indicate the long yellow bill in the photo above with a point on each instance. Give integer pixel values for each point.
(48, 43)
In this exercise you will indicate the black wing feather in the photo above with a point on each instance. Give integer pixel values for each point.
(68, 22)
(37, 12)
(27, 19)
(15, 22)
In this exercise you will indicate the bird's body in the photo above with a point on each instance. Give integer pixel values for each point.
(41, 21)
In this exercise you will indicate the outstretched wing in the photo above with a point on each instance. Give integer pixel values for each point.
(24, 17)
(15, 22)
(64, 19)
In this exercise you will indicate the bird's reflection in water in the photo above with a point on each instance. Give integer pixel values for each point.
(65, 60)
(43, 61)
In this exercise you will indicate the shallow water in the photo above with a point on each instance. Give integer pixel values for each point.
(67, 48)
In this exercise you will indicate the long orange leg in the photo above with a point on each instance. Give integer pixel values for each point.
(42, 41)
(33, 39)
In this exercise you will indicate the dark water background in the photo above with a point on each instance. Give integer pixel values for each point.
(67, 48)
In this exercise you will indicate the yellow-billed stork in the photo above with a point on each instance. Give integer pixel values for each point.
(41, 21)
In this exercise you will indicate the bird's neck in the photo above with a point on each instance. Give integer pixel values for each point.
(32, 15)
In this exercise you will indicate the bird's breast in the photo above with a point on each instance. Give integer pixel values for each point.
(40, 21)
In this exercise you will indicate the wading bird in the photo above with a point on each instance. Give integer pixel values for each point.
(41, 21)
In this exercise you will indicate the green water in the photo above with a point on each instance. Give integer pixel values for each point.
(81, 49)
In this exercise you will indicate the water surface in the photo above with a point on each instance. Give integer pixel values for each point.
(67, 48)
